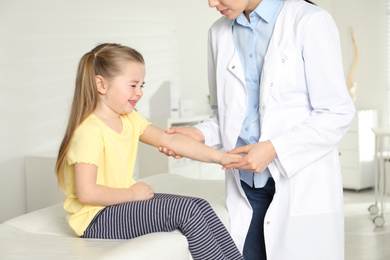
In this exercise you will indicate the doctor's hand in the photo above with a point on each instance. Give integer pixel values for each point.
(257, 157)
(192, 132)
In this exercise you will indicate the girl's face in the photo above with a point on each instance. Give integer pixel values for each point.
(233, 8)
(124, 91)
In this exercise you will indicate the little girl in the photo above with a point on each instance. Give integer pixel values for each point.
(97, 155)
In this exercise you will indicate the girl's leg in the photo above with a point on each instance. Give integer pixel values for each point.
(218, 229)
(206, 235)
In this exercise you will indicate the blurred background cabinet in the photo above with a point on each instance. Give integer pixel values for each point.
(357, 149)
(41, 181)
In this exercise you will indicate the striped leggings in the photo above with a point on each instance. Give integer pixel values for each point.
(207, 237)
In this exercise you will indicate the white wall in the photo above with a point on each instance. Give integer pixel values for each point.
(193, 38)
(368, 20)
(41, 42)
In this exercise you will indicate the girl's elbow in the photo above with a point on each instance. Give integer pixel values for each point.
(84, 197)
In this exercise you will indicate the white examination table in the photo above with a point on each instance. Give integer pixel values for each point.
(45, 234)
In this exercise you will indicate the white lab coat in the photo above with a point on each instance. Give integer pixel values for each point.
(305, 110)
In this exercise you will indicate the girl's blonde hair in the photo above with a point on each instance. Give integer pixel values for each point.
(107, 61)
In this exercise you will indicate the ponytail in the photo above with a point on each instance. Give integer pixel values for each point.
(84, 103)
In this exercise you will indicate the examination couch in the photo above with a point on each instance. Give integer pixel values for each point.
(45, 234)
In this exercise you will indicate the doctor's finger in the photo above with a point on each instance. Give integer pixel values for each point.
(173, 130)
(235, 165)
(246, 166)
(190, 131)
(166, 151)
(239, 150)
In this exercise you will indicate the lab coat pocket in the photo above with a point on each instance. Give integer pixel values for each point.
(312, 191)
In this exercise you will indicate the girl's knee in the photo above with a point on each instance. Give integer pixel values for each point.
(202, 202)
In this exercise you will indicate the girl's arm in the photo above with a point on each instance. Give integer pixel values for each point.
(186, 146)
(88, 192)
(190, 131)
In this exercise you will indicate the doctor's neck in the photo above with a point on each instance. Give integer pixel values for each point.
(251, 6)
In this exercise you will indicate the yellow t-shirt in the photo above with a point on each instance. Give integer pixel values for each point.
(114, 154)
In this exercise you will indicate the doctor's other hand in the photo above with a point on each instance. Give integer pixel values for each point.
(192, 132)
(230, 158)
(257, 157)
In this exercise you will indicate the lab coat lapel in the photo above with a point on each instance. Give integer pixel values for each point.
(272, 68)
(235, 67)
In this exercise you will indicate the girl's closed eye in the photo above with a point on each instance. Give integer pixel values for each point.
(135, 84)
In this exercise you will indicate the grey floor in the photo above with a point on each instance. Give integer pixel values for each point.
(364, 241)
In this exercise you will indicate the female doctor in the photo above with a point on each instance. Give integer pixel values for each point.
(303, 110)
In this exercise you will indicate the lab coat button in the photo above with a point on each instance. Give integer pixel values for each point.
(233, 67)
(271, 84)
(283, 60)
(268, 222)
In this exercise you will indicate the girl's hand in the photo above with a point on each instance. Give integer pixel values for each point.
(141, 191)
(258, 157)
(192, 132)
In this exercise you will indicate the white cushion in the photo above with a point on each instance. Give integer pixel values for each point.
(45, 234)
(18, 244)
(47, 221)
(51, 220)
